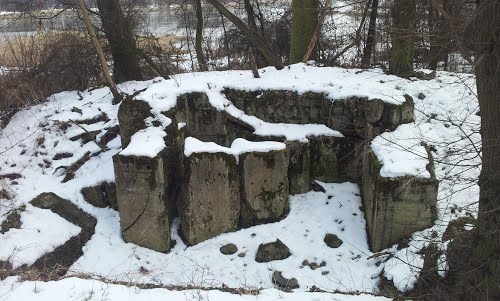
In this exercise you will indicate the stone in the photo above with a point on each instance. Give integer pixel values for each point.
(110, 195)
(94, 196)
(13, 220)
(243, 254)
(395, 208)
(272, 251)
(102, 196)
(211, 196)
(229, 249)
(141, 189)
(332, 240)
(283, 283)
(264, 177)
(313, 265)
(298, 167)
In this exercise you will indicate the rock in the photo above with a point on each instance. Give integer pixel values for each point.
(211, 198)
(298, 167)
(94, 196)
(395, 208)
(284, 283)
(272, 251)
(141, 190)
(229, 249)
(58, 261)
(421, 96)
(313, 265)
(332, 240)
(243, 254)
(13, 220)
(110, 195)
(102, 196)
(264, 187)
(315, 186)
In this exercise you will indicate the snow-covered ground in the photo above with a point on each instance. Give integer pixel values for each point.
(446, 120)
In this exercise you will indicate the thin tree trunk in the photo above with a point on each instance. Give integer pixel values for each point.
(304, 24)
(317, 32)
(121, 40)
(483, 280)
(226, 42)
(253, 26)
(200, 56)
(372, 35)
(253, 37)
(403, 13)
(102, 59)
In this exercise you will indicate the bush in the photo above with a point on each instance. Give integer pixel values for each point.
(43, 64)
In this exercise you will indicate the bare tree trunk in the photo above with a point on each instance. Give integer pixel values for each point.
(253, 37)
(253, 26)
(304, 24)
(315, 38)
(200, 56)
(226, 42)
(372, 35)
(482, 281)
(102, 59)
(121, 40)
(403, 13)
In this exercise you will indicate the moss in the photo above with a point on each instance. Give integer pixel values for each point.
(13, 220)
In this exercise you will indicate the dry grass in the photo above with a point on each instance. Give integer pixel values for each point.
(43, 64)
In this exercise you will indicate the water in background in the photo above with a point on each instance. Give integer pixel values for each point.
(155, 16)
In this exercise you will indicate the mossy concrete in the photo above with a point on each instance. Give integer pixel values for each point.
(141, 189)
(354, 116)
(264, 188)
(299, 175)
(395, 208)
(211, 196)
(335, 159)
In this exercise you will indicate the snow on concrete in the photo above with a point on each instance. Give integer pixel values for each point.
(401, 153)
(195, 146)
(242, 146)
(238, 147)
(146, 143)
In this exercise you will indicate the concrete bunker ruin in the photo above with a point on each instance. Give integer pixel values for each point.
(219, 173)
